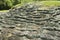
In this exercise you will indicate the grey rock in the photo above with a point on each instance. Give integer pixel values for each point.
(30, 22)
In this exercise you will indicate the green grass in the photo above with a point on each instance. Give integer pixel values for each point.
(23, 2)
(51, 3)
(4, 10)
(45, 3)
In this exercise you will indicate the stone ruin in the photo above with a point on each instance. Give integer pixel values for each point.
(30, 22)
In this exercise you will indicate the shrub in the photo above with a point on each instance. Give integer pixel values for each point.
(6, 4)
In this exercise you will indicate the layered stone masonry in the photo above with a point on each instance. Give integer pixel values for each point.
(30, 22)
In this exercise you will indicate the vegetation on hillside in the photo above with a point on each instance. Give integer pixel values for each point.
(51, 3)
(7, 4)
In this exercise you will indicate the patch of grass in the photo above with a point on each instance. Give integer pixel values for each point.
(22, 3)
(4, 10)
(51, 3)
(44, 3)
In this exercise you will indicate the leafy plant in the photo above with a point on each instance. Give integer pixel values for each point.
(7, 4)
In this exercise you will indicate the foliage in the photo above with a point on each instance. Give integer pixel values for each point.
(7, 4)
